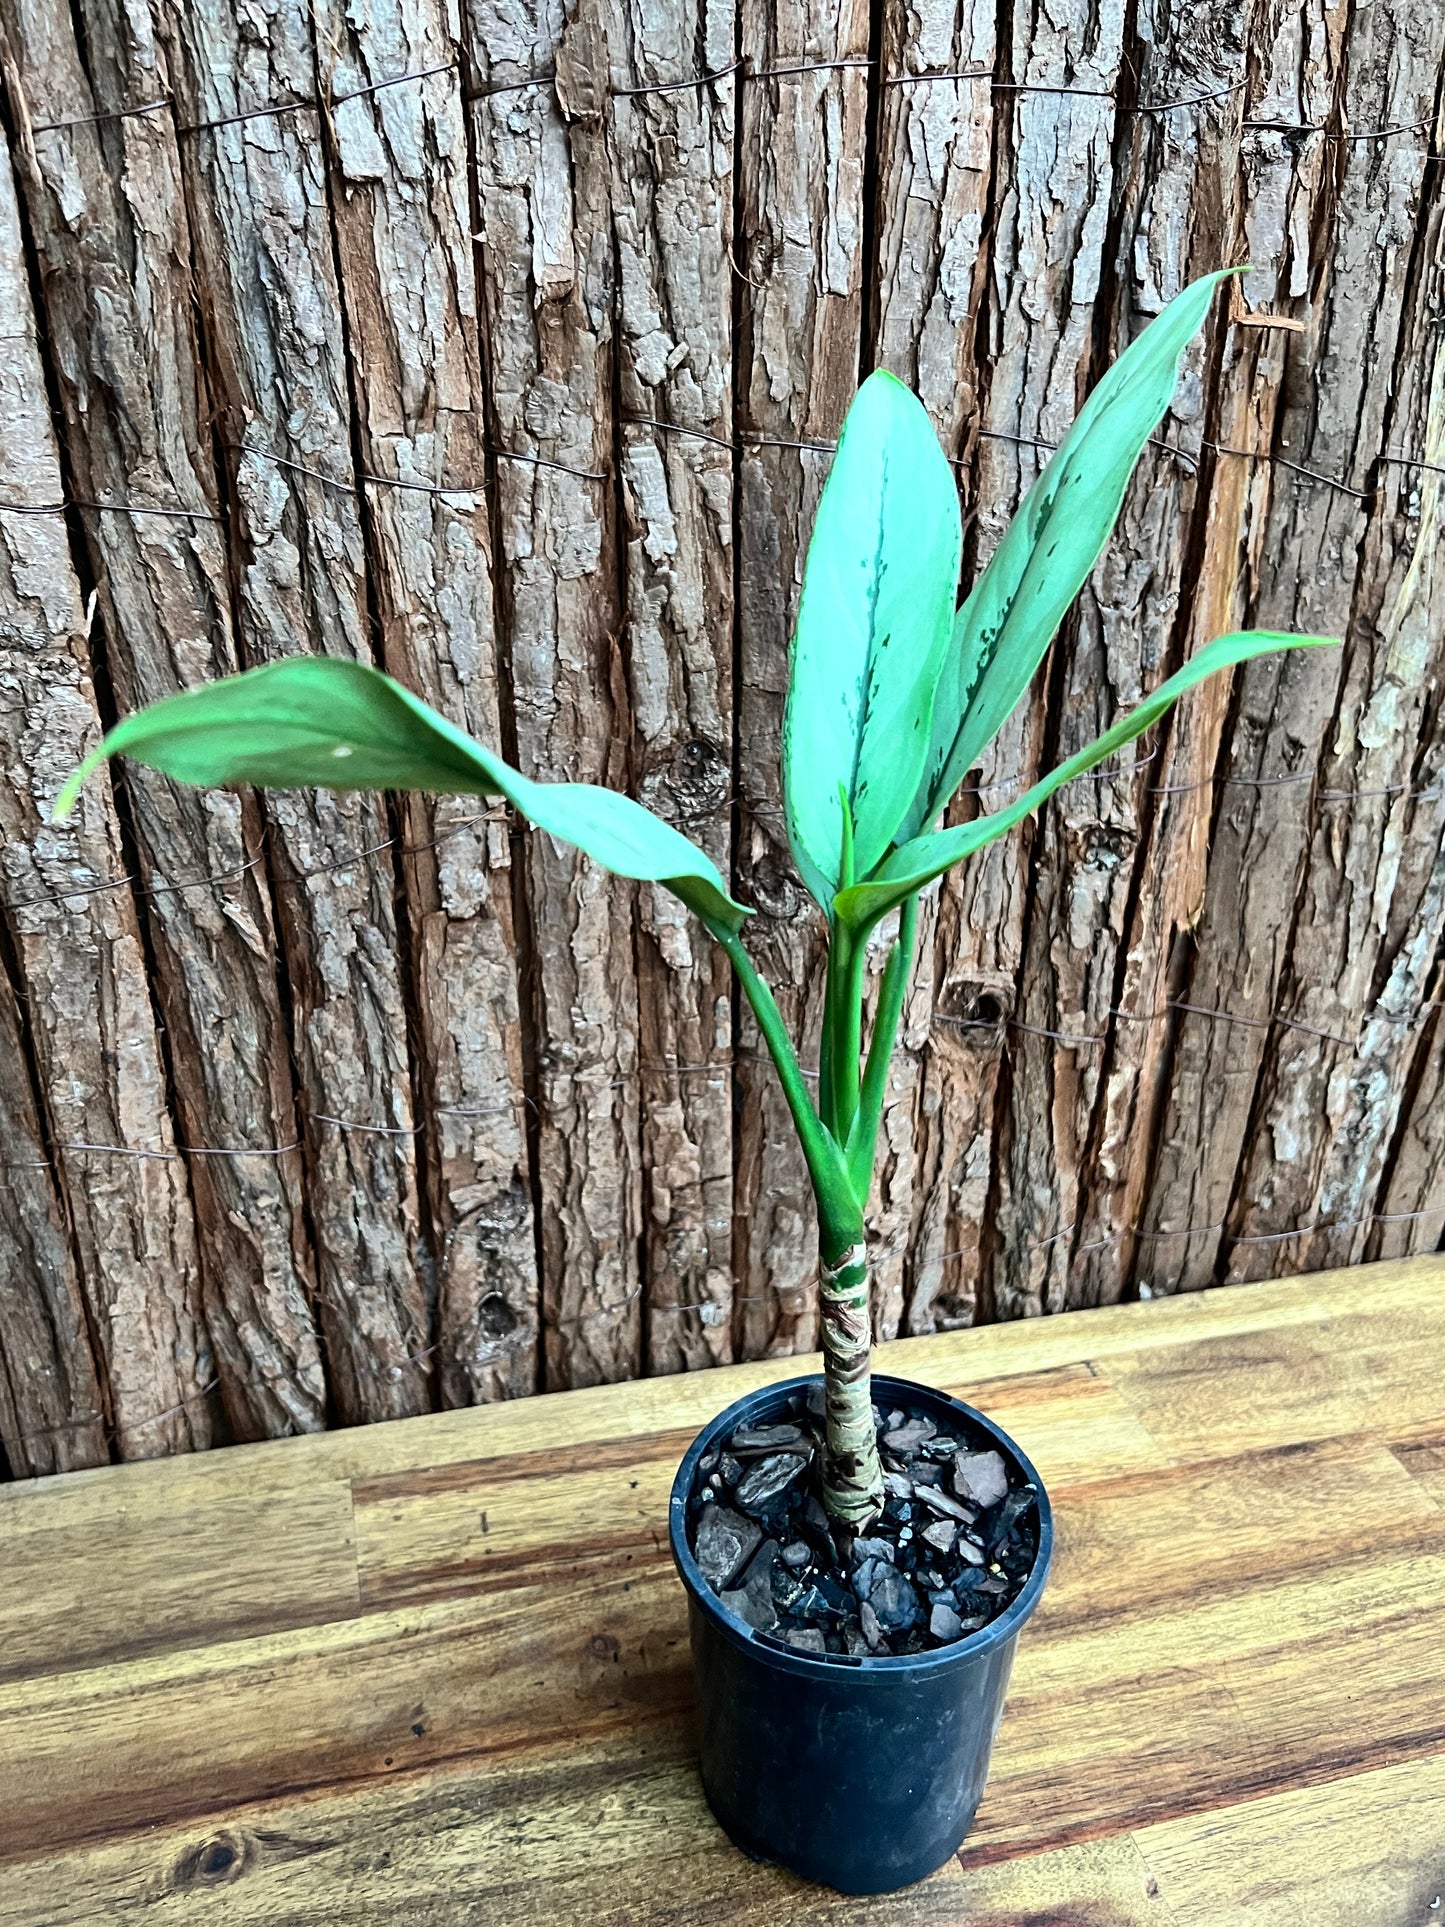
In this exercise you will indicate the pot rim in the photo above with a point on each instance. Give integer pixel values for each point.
(820, 1665)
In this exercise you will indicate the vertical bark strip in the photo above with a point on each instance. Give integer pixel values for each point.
(800, 255)
(934, 168)
(549, 303)
(52, 1416)
(270, 307)
(407, 274)
(105, 207)
(1055, 173)
(80, 962)
(1372, 913)
(1121, 851)
(671, 185)
(1336, 414)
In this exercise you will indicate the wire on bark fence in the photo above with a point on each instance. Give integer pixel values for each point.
(743, 69)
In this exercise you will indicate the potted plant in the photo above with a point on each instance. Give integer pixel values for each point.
(859, 1554)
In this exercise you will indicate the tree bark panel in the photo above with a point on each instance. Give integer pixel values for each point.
(272, 322)
(403, 216)
(105, 203)
(86, 1024)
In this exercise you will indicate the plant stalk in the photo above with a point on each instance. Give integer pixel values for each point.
(852, 1475)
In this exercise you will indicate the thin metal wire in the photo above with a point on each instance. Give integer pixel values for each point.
(678, 86)
(94, 120)
(108, 508)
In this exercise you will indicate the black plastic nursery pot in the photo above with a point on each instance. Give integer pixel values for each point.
(861, 1773)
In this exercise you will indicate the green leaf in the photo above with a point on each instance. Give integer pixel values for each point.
(1014, 609)
(915, 863)
(343, 726)
(873, 627)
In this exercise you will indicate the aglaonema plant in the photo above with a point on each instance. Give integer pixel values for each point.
(895, 693)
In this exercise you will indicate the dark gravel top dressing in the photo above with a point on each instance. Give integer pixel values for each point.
(953, 1548)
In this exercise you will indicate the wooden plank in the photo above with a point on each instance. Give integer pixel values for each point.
(437, 1529)
(1212, 1706)
(77, 961)
(108, 220)
(138, 1574)
(501, 1843)
(1362, 1848)
(968, 1362)
(1360, 1373)
(1253, 1626)
(1253, 1574)
(405, 264)
(1425, 1463)
(547, 302)
(271, 321)
(357, 1703)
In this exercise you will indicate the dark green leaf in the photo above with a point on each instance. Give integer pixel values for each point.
(873, 626)
(1014, 609)
(343, 726)
(915, 863)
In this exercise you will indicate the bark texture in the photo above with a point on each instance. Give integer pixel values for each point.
(505, 345)
(263, 244)
(406, 261)
(106, 208)
(550, 270)
(800, 262)
(97, 1113)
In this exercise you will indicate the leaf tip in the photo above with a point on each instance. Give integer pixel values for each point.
(69, 794)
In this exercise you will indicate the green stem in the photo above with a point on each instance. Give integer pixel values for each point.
(842, 1029)
(862, 1139)
(825, 1161)
(852, 1476)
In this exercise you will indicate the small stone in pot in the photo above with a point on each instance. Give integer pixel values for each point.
(766, 1479)
(980, 1477)
(753, 1600)
(725, 1543)
(908, 1439)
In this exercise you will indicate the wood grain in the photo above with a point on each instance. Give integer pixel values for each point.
(225, 1701)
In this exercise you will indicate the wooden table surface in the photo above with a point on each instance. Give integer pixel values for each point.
(437, 1671)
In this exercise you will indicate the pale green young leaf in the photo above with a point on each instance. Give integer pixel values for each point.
(343, 726)
(873, 625)
(1014, 609)
(917, 862)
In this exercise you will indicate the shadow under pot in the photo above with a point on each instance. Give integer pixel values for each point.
(861, 1768)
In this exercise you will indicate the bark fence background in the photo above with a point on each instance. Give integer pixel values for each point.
(502, 344)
